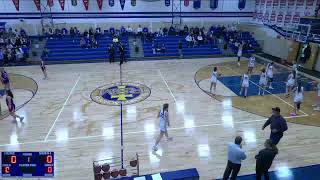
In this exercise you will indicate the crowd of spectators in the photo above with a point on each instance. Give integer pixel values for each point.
(14, 46)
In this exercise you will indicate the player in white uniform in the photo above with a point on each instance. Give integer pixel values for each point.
(214, 79)
(270, 74)
(262, 82)
(251, 64)
(291, 82)
(317, 88)
(297, 99)
(164, 123)
(295, 67)
(244, 84)
(239, 53)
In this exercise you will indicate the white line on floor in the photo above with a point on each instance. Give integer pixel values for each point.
(62, 108)
(165, 82)
(138, 132)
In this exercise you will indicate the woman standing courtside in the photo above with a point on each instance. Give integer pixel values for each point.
(164, 122)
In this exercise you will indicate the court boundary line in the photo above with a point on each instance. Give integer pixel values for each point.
(165, 82)
(62, 108)
(138, 132)
(278, 97)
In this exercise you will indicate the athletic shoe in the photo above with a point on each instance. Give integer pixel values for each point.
(154, 148)
(170, 139)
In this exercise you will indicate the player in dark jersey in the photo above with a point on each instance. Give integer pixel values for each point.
(12, 106)
(44, 70)
(5, 79)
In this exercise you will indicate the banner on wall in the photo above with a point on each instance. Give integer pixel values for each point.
(269, 2)
(300, 3)
(257, 2)
(167, 2)
(241, 4)
(186, 3)
(283, 3)
(280, 18)
(133, 3)
(50, 3)
(99, 2)
(62, 2)
(275, 3)
(266, 16)
(296, 18)
(86, 4)
(196, 4)
(308, 11)
(287, 18)
(260, 16)
(291, 2)
(122, 3)
(16, 4)
(74, 2)
(111, 3)
(213, 4)
(37, 3)
(273, 17)
(310, 2)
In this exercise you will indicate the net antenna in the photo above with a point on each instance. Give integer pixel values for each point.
(46, 17)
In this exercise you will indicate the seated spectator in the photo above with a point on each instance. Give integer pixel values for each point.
(72, 33)
(153, 48)
(186, 29)
(194, 40)
(64, 32)
(91, 33)
(50, 33)
(160, 32)
(139, 30)
(165, 31)
(200, 39)
(123, 30)
(172, 31)
(115, 40)
(83, 43)
(189, 40)
(95, 43)
(129, 30)
(163, 48)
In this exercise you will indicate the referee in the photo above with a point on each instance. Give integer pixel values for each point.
(278, 125)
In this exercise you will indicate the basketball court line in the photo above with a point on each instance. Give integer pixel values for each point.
(139, 132)
(278, 97)
(165, 82)
(62, 108)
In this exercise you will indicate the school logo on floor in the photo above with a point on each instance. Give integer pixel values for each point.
(125, 93)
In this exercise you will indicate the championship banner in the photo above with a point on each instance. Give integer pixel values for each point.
(296, 18)
(167, 2)
(61, 2)
(196, 4)
(86, 4)
(50, 3)
(287, 18)
(300, 3)
(280, 18)
(273, 17)
(308, 11)
(275, 3)
(257, 2)
(213, 4)
(260, 16)
(16, 4)
(242, 4)
(283, 3)
(266, 16)
(122, 3)
(133, 3)
(186, 3)
(37, 3)
(290, 2)
(262, 2)
(74, 2)
(269, 2)
(111, 3)
(99, 2)
(310, 2)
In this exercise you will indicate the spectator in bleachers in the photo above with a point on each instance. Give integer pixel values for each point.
(172, 31)
(82, 43)
(139, 30)
(200, 40)
(186, 29)
(51, 33)
(123, 30)
(95, 43)
(165, 31)
(91, 33)
(72, 33)
(129, 30)
(111, 53)
(163, 48)
(180, 49)
(153, 48)
(189, 40)
(64, 32)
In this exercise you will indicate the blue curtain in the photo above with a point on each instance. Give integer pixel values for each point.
(196, 4)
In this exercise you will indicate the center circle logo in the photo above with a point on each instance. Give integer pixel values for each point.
(125, 93)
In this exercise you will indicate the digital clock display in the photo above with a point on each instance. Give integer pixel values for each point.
(27, 164)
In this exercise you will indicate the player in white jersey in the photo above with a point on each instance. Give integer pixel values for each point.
(270, 74)
(297, 99)
(164, 123)
(251, 63)
(295, 66)
(262, 82)
(214, 79)
(244, 84)
(239, 53)
(317, 88)
(291, 82)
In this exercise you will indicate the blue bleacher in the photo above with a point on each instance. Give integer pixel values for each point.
(69, 48)
(171, 44)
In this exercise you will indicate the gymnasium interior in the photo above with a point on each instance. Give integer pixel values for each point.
(90, 80)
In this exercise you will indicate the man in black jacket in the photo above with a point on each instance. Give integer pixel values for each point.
(264, 159)
(278, 125)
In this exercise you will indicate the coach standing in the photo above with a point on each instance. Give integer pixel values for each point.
(278, 125)
(235, 156)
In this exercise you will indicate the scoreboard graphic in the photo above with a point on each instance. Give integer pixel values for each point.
(27, 164)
